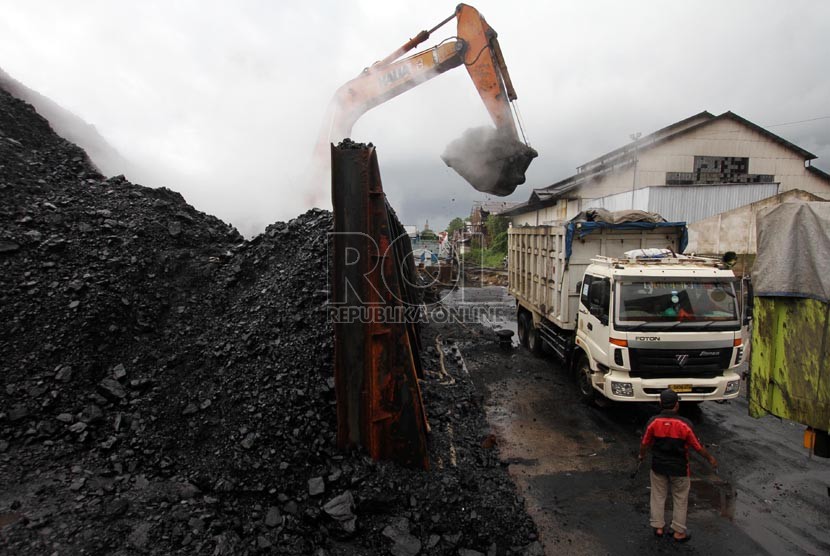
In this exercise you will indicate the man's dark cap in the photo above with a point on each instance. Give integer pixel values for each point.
(668, 398)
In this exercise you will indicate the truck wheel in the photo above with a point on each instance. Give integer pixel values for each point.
(587, 393)
(523, 324)
(534, 341)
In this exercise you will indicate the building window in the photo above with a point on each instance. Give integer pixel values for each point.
(718, 169)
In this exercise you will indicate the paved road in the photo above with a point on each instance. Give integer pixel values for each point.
(573, 464)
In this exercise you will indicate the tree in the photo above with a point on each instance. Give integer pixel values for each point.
(495, 225)
(498, 244)
(455, 224)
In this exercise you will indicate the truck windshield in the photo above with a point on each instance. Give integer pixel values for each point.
(655, 304)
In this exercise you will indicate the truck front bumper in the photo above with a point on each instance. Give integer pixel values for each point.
(618, 386)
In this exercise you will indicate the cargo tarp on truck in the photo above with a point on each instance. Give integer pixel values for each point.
(793, 252)
(581, 229)
(790, 369)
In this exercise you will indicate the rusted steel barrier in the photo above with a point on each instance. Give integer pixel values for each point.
(374, 299)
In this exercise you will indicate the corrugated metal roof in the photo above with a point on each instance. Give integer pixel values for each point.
(494, 207)
(687, 203)
(518, 209)
(819, 173)
(631, 148)
(550, 194)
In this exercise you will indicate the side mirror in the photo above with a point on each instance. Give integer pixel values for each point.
(749, 303)
(579, 288)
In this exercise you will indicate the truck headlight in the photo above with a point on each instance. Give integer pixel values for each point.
(622, 389)
(732, 386)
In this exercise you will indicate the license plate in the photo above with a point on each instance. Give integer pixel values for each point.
(681, 387)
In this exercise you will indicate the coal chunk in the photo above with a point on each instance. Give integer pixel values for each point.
(316, 486)
(119, 372)
(341, 509)
(64, 374)
(18, 412)
(116, 507)
(92, 414)
(8, 247)
(248, 441)
(112, 389)
(405, 544)
(273, 517)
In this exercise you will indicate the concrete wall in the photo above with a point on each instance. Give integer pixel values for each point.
(734, 230)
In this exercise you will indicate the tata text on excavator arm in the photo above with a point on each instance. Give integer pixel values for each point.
(492, 160)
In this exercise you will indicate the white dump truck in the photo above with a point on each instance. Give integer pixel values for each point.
(625, 313)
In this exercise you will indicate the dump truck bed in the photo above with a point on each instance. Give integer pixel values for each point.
(546, 262)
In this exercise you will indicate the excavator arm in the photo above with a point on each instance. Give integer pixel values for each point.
(493, 161)
(486, 67)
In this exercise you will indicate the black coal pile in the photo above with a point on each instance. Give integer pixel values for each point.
(167, 386)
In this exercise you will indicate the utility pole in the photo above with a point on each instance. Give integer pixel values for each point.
(634, 137)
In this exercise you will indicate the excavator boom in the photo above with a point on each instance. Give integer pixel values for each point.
(384, 81)
(492, 160)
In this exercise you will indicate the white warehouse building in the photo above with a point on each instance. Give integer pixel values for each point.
(689, 171)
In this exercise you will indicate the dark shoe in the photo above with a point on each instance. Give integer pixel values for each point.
(659, 532)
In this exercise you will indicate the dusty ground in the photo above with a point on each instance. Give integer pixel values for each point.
(573, 464)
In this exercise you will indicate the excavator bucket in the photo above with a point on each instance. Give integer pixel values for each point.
(491, 161)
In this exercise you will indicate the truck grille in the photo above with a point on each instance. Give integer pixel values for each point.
(678, 363)
(695, 390)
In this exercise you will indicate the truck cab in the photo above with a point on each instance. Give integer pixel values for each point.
(647, 324)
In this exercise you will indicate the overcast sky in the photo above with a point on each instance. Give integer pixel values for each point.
(223, 100)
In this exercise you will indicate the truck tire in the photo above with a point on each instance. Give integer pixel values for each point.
(523, 324)
(534, 341)
(582, 373)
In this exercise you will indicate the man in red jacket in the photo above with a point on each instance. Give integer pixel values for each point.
(669, 437)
